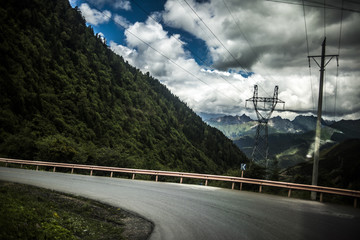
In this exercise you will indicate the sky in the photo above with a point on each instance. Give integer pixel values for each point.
(212, 53)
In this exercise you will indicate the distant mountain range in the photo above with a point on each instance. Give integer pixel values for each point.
(289, 141)
(237, 126)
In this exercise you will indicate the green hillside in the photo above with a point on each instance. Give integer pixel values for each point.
(67, 97)
(339, 166)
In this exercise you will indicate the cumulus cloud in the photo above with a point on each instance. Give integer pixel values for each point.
(122, 4)
(101, 36)
(120, 20)
(94, 16)
(127, 53)
(266, 38)
(164, 56)
(269, 39)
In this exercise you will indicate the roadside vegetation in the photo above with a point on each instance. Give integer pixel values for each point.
(28, 212)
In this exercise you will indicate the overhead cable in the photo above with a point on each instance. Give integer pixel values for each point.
(163, 55)
(318, 5)
(308, 52)
(183, 45)
(216, 37)
(337, 68)
(248, 42)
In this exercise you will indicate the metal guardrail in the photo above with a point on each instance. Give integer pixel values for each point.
(181, 175)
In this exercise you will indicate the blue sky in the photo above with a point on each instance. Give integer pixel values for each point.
(212, 53)
(135, 14)
(139, 12)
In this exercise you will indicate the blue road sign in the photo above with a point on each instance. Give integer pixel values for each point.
(243, 166)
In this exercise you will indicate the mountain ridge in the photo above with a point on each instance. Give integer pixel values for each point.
(338, 167)
(300, 124)
(290, 142)
(67, 97)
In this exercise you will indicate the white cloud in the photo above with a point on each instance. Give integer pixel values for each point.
(101, 36)
(123, 22)
(122, 4)
(182, 75)
(93, 16)
(265, 37)
(127, 53)
(269, 39)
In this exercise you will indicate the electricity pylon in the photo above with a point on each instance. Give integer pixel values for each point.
(261, 146)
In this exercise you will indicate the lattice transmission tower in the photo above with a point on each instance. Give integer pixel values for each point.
(261, 146)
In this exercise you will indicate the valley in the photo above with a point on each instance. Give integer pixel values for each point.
(291, 143)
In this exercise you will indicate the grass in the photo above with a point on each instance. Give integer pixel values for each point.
(28, 212)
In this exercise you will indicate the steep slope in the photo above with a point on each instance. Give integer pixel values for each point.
(339, 166)
(347, 128)
(67, 97)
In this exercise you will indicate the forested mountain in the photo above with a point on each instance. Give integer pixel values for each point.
(339, 166)
(67, 97)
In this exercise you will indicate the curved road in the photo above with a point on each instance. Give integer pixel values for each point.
(181, 211)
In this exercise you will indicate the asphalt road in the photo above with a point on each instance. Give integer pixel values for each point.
(182, 211)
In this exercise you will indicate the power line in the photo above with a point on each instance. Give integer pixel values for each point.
(149, 15)
(246, 39)
(236, 22)
(176, 64)
(337, 69)
(199, 58)
(242, 33)
(187, 12)
(324, 20)
(163, 55)
(192, 9)
(341, 21)
(216, 37)
(324, 6)
(308, 52)
(319, 5)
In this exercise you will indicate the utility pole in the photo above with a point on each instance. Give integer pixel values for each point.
(319, 113)
(261, 147)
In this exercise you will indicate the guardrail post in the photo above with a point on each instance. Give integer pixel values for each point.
(156, 178)
(232, 186)
(111, 174)
(322, 190)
